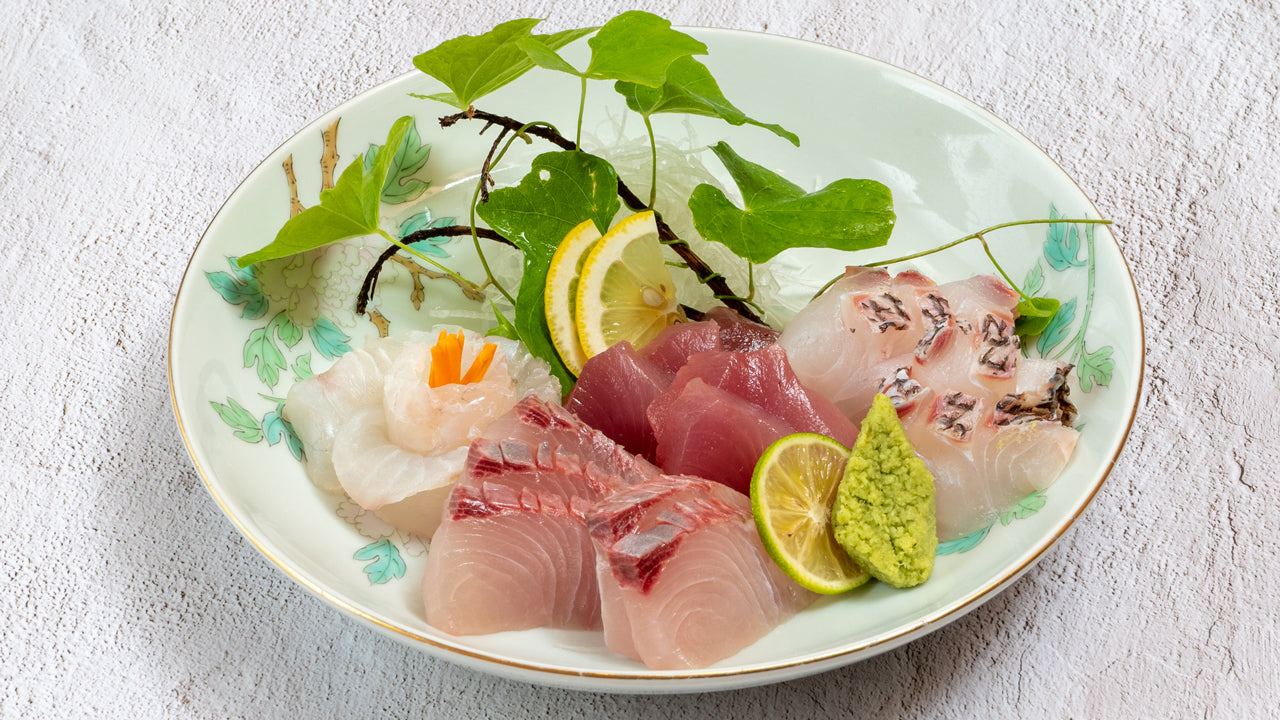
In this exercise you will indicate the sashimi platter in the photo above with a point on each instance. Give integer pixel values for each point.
(643, 359)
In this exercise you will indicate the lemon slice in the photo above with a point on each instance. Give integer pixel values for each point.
(560, 294)
(792, 492)
(625, 291)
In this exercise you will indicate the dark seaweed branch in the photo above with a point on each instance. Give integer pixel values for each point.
(714, 280)
(371, 278)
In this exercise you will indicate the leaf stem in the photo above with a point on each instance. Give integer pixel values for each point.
(1076, 346)
(582, 108)
(653, 162)
(979, 235)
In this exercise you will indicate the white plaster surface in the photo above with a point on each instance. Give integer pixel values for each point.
(125, 593)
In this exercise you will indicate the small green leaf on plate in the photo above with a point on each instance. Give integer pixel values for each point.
(964, 544)
(638, 47)
(348, 209)
(561, 189)
(690, 89)
(401, 186)
(778, 214)
(260, 351)
(474, 66)
(1034, 316)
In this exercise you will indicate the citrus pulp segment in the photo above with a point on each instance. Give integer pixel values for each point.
(625, 291)
(792, 491)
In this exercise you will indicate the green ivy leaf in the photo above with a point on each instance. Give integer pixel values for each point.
(240, 420)
(638, 47)
(474, 66)
(1056, 331)
(964, 544)
(504, 328)
(1034, 316)
(1096, 367)
(562, 189)
(384, 562)
(348, 209)
(777, 214)
(545, 56)
(260, 350)
(400, 185)
(690, 89)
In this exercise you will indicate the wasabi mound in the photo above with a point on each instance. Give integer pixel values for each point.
(884, 511)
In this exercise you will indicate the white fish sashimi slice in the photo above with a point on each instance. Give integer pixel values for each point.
(315, 407)
(375, 473)
(684, 580)
(511, 560)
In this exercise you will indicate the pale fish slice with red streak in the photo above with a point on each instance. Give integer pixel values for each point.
(512, 551)
(685, 581)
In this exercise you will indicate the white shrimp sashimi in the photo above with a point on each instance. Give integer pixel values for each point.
(684, 579)
(991, 425)
(513, 551)
(373, 427)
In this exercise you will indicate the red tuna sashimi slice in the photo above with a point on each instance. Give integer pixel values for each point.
(521, 503)
(613, 393)
(671, 348)
(763, 377)
(684, 579)
(740, 334)
(714, 434)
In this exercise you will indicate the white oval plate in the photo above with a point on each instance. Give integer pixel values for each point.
(237, 341)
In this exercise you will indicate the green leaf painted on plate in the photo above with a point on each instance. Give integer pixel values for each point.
(1034, 280)
(401, 186)
(690, 89)
(1056, 331)
(289, 333)
(240, 287)
(349, 209)
(240, 420)
(424, 221)
(474, 66)
(384, 563)
(964, 544)
(302, 368)
(1096, 368)
(778, 214)
(260, 352)
(1062, 244)
(1028, 506)
(275, 428)
(329, 339)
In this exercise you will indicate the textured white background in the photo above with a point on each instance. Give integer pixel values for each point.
(125, 593)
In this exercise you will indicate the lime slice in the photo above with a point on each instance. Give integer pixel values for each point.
(625, 291)
(792, 491)
(560, 294)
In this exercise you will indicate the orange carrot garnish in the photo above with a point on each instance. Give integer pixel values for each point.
(480, 365)
(446, 359)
